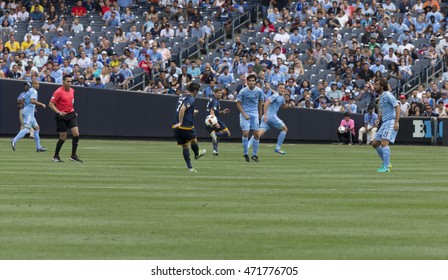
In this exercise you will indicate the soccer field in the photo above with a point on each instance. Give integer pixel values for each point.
(136, 200)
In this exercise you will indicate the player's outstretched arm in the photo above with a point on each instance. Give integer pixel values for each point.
(35, 102)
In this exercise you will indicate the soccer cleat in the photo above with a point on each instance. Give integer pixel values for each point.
(280, 152)
(382, 170)
(201, 153)
(13, 145)
(390, 165)
(214, 137)
(57, 159)
(246, 157)
(192, 170)
(255, 158)
(41, 149)
(76, 159)
(215, 153)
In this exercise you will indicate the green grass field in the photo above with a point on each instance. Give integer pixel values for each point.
(136, 200)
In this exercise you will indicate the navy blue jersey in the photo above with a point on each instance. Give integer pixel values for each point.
(188, 101)
(213, 104)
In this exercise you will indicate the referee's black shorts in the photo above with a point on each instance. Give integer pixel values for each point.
(64, 123)
(184, 136)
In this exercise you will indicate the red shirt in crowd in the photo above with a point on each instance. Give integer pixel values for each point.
(79, 11)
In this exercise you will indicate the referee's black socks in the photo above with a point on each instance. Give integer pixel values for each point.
(58, 147)
(75, 145)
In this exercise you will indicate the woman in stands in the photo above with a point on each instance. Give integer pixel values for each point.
(441, 109)
(89, 77)
(105, 75)
(267, 26)
(336, 106)
(394, 73)
(305, 86)
(298, 67)
(152, 13)
(119, 36)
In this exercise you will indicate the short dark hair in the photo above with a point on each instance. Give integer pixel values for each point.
(65, 77)
(192, 87)
(346, 114)
(251, 76)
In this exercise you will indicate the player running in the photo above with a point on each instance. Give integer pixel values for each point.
(29, 121)
(390, 115)
(220, 130)
(183, 125)
(249, 104)
(270, 119)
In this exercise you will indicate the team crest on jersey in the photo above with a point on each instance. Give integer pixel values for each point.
(188, 105)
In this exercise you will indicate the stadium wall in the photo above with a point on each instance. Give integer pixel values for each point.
(127, 114)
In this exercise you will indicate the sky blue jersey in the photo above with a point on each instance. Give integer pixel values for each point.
(249, 99)
(28, 107)
(276, 102)
(387, 106)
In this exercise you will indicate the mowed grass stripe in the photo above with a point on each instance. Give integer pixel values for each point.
(135, 200)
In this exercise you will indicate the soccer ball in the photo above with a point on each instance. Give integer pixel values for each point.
(341, 129)
(211, 120)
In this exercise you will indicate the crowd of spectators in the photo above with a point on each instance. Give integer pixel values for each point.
(353, 42)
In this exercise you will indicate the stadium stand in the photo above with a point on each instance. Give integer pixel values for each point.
(357, 36)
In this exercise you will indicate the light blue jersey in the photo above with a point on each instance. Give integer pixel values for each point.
(249, 100)
(387, 107)
(28, 107)
(276, 102)
(272, 119)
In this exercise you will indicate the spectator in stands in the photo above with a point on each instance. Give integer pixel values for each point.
(351, 106)
(117, 78)
(134, 35)
(414, 98)
(226, 77)
(181, 31)
(97, 84)
(207, 76)
(67, 49)
(334, 92)
(112, 20)
(131, 61)
(276, 77)
(55, 56)
(79, 10)
(428, 112)
(336, 106)
(167, 32)
(441, 110)
(378, 67)
(267, 26)
(22, 15)
(66, 68)
(84, 61)
(26, 43)
(12, 44)
(59, 40)
(105, 75)
(14, 73)
(405, 71)
(282, 36)
(119, 36)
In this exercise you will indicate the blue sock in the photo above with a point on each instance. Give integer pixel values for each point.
(21, 134)
(186, 154)
(386, 156)
(379, 151)
(255, 147)
(37, 139)
(280, 139)
(245, 145)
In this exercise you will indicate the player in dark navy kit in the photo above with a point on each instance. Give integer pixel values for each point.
(220, 130)
(183, 125)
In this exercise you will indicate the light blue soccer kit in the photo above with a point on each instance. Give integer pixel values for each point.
(249, 100)
(276, 102)
(388, 103)
(29, 121)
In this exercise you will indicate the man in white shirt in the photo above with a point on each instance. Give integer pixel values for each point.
(277, 54)
(40, 60)
(167, 32)
(389, 7)
(84, 61)
(131, 61)
(282, 36)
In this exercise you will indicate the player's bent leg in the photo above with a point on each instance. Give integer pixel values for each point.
(195, 147)
(280, 139)
(19, 136)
